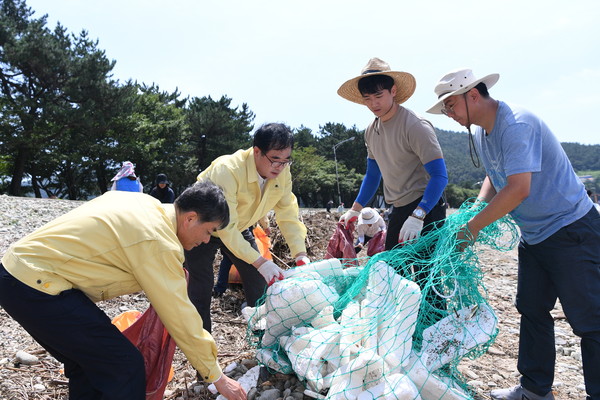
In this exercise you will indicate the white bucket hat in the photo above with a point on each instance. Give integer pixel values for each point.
(367, 216)
(458, 82)
(405, 82)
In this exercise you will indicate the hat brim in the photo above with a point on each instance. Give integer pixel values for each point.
(405, 86)
(489, 80)
(371, 220)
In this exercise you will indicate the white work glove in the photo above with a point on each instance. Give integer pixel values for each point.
(348, 217)
(271, 272)
(411, 229)
(302, 260)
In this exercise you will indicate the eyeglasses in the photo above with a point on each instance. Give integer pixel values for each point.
(447, 110)
(277, 164)
(450, 110)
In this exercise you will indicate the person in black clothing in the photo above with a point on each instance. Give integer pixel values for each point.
(162, 191)
(329, 205)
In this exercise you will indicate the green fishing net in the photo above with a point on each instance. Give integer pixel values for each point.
(392, 326)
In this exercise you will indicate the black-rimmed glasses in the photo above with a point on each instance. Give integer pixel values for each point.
(277, 164)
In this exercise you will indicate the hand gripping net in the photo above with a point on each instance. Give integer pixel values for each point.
(395, 328)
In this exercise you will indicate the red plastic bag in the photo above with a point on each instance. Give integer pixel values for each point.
(341, 243)
(376, 244)
(149, 335)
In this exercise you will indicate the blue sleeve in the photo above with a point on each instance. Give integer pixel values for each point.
(435, 187)
(370, 182)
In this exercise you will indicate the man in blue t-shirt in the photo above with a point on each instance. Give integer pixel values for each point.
(530, 177)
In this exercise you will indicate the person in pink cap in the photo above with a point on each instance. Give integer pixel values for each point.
(126, 180)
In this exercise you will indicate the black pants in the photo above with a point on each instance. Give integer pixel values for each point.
(357, 249)
(199, 263)
(400, 214)
(100, 362)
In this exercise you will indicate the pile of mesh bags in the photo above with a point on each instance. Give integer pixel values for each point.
(394, 328)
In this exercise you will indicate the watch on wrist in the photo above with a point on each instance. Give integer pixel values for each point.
(419, 213)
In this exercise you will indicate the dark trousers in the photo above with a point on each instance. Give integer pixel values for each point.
(199, 263)
(564, 266)
(357, 249)
(400, 214)
(435, 218)
(99, 361)
(223, 276)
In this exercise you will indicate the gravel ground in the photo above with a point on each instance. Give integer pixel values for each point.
(497, 368)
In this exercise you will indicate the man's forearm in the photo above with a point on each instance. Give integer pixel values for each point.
(503, 202)
(487, 191)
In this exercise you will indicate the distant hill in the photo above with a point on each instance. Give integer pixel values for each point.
(461, 170)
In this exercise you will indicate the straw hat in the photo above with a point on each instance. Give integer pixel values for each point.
(405, 82)
(367, 216)
(458, 82)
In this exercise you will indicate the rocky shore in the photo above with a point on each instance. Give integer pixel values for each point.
(44, 380)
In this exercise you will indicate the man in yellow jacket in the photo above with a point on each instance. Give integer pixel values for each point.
(118, 243)
(255, 181)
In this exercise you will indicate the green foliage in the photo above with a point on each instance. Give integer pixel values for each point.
(310, 177)
(583, 157)
(4, 172)
(303, 137)
(66, 126)
(456, 195)
(353, 153)
(33, 68)
(48, 77)
(216, 129)
(314, 178)
(461, 170)
(154, 138)
(592, 183)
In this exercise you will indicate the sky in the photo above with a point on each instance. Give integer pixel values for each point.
(287, 58)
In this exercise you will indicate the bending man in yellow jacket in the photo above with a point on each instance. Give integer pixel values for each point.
(118, 243)
(255, 181)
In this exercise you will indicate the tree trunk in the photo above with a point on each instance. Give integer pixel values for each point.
(23, 153)
(101, 178)
(35, 186)
(70, 182)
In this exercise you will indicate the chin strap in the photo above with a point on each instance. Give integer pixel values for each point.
(472, 148)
